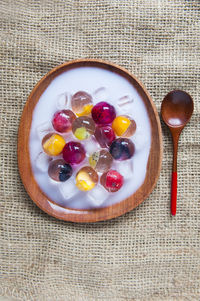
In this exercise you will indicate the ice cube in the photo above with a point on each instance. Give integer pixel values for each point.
(42, 161)
(43, 129)
(125, 168)
(101, 94)
(63, 101)
(90, 146)
(97, 196)
(68, 189)
(140, 140)
(125, 103)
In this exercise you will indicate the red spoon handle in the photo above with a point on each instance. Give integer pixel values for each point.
(173, 193)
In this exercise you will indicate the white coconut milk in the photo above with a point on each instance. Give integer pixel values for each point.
(104, 86)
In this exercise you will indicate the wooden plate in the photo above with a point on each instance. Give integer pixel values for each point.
(93, 215)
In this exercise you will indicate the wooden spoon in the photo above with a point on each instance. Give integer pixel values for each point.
(176, 110)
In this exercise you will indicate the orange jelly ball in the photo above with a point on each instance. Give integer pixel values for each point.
(53, 144)
(124, 126)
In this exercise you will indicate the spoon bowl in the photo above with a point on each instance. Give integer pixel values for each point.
(176, 110)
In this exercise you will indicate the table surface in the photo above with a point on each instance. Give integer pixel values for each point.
(145, 254)
(7, 299)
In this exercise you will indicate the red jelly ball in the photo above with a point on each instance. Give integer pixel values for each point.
(73, 152)
(103, 113)
(104, 135)
(62, 121)
(112, 180)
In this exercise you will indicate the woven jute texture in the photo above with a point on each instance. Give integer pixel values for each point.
(145, 254)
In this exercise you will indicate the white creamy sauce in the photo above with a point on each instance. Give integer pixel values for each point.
(174, 121)
(103, 85)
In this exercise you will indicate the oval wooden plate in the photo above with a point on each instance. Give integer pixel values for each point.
(93, 215)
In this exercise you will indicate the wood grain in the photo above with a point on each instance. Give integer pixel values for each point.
(93, 215)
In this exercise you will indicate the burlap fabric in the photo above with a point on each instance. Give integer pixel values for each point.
(145, 254)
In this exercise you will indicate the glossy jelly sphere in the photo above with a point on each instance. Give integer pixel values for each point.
(101, 161)
(124, 126)
(104, 135)
(112, 180)
(103, 113)
(122, 149)
(73, 152)
(83, 127)
(59, 170)
(53, 144)
(62, 121)
(86, 178)
(81, 103)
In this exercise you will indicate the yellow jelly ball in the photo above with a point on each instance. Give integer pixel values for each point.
(84, 182)
(53, 144)
(86, 178)
(86, 110)
(120, 125)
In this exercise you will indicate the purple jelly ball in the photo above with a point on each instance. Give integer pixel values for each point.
(122, 149)
(103, 113)
(73, 152)
(104, 135)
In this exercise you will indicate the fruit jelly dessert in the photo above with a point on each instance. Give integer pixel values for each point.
(122, 149)
(83, 127)
(73, 152)
(62, 121)
(53, 144)
(112, 180)
(86, 178)
(59, 170)
(103, 113)
(124, 126)
(104, 135)
(101, 160)
(81, 103)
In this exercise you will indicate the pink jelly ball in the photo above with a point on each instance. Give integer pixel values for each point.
(62, 121)
(103, 113)
(73, 152)
(112, 180)
(104, 135)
